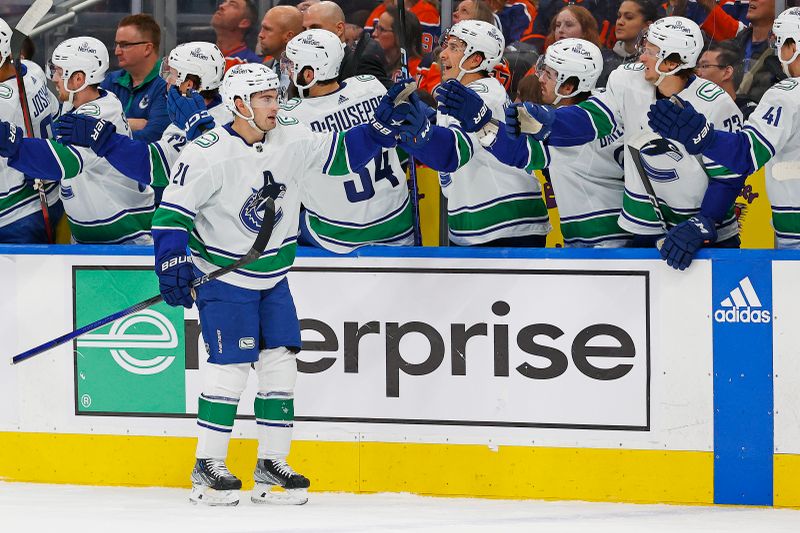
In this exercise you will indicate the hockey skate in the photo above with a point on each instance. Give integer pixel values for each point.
(213, 483)
(276, 473)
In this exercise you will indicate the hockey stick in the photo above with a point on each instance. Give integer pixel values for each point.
(253, 254)
(635, 149)
(29, 20)
(412, 164)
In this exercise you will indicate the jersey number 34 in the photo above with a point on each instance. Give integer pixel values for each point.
(383, 171)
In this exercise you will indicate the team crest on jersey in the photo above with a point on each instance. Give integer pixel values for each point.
(6, 92)
(660, 148)
(144, 102)
(93, 110)
(252, 212)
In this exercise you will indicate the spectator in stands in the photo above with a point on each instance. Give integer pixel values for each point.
(516, 18)
(722, 64)
(137, 84)
(475, 10)
(366, 58)
(354, 26)
(604, 12)
(761, 67)
(720, 19)
(427, 16)
(280, 24)
(529, 89)
(633, 19)
(387, 33)
(231, 22)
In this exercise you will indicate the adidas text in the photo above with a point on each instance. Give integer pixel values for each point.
(743, 315)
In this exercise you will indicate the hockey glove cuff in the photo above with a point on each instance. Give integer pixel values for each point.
(175, 275)
(463, 104)
(10, 139)
(83, 130)
(189, 113)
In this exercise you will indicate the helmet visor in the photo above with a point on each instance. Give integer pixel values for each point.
(54, 72)
(169, 74)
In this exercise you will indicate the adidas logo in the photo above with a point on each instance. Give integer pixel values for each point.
(342, 99)
(743, 305)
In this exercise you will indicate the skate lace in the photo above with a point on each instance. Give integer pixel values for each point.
(218, 468)
(284, 468)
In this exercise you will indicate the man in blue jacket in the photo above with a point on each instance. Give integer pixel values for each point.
(137, 84)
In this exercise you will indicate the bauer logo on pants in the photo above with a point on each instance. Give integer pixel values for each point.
(136, 364)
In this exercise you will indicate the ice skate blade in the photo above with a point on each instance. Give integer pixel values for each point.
(202, 495)
(264, 494)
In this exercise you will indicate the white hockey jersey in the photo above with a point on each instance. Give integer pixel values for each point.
(368, 207)
(775, 141)
(679, 179)
(486, 199)
(215, 193)
(18, 199)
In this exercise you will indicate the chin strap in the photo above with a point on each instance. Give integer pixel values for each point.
(251, 119)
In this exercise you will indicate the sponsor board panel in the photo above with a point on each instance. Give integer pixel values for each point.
(9, 397)
(786, 355)
(743, 393)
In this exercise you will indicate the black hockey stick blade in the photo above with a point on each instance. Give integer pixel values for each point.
(259, 245)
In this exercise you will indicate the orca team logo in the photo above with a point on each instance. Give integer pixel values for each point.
(655, 149)
(127, 347)
(742, 306)
(144, 102)
(252, 212)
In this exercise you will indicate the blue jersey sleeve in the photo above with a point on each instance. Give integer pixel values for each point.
(448, 149)
(732, 150)
(46, 159)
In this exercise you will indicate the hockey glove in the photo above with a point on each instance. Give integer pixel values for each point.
(530, 119)
(83, 130)
(189, 113)
(175, 276)
(415, 128)
(683, 241)
(686, 125)
(463, 104)
(10, 139)
(381, 130)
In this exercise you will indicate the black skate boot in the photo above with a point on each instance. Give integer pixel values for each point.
(277, 473)
(213, 483)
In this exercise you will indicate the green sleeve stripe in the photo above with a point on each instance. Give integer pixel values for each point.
(159, 174)
(600, 119)
(69, 161)
(760, 152)
(537, 157)
(464, 148)
(339, 165)
(169, 218)
(718, 171)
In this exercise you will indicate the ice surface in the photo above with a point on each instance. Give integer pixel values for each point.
(34, 508)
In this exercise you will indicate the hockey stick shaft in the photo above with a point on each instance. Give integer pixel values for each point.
(412, 164)
(252, 255)
(32, 16)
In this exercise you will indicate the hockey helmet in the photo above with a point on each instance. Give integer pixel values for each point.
(573, 58)
(242, 81)
(198, 58)
(320, 50)
(79, 54)
(676, 35)
(479, 36)
(5, 41)
(787, 26)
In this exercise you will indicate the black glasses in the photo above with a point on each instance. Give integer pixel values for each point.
(126, 45)
(703, 66)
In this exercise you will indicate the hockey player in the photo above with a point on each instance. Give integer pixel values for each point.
(489, 203)
(769, 138)
(21, 217)
(193, 72)
(695, 197)
(214, 203)
(368, 207)
(102, 205)
(588, 180)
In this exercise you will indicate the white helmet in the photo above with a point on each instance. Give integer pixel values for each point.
(320, 50)
(787, 26)
(676, 35)
(5, 41)
(243, 81)
(79, 54)
(480, 37)
(201, 59)
(573, 58)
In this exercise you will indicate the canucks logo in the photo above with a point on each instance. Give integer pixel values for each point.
(655, 149)
(252, 212)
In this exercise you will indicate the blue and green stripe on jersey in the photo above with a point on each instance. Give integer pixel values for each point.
(637, 209)
(592, 228)
(509, 210)
(601, 118)
(392, 227)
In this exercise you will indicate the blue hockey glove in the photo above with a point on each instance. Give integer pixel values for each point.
(175, 276)
(83, 130)
(686, 125)
(529, 119)
(10, 139)
(463, 104)
(189, 113)
(381, 130)
(403, 88)
(415, 128)
(683, 241)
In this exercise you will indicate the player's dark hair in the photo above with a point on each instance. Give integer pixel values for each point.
(210, 94)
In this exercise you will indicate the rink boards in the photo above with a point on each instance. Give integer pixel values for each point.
(593, 375)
